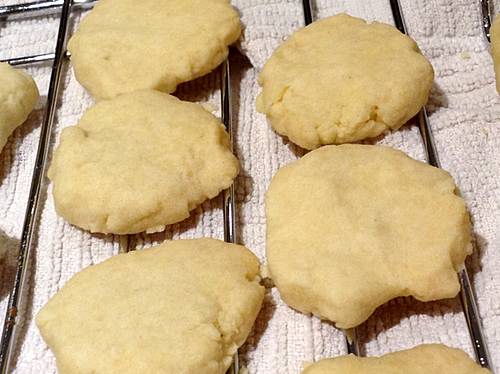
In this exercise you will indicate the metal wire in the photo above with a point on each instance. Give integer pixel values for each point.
(33, 206)
(227, 120)
(467, 297)
(40, 8)
(29, 60)
(487, 17)
(423, 119)
(228, 195)
(352, 342)
(308, 12)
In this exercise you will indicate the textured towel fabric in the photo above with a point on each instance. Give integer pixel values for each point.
(465, 116)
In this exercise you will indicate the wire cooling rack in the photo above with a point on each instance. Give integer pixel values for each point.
(33, 207)
(60, 56)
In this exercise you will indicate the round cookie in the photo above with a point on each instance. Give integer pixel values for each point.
(139, 162)
(18, 97)
(423, 359)
(182, 307)
(351, 227)
(127, 45)
(342, 80)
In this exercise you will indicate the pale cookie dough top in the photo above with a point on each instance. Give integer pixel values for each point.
(18, 97)
(495, 48)
(423, 359)
(182, 307)
(128, 45)
(341, 80)
(351, 227)
(139, 162)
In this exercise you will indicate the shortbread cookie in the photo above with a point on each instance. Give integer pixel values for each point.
(182, 307)
(423, 359)
(342, 80)
(495, 48)
(18, 97)
(351, 227)
(138, 162)
(127, 45)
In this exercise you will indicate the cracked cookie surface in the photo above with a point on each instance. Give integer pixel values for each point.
(139, 162)
(181, 307)
(423, 359)
(351, 227)
(127, 45)
(18, 97)
(341, 80)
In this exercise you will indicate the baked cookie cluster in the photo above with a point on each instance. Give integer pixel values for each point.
(349, 227)
(138, 160)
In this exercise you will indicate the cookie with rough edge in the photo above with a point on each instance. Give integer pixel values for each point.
(127, 45)
(18, 97)
(139, 162)
(182, 307)
(351, 227)
(423, 359)
(342, 80)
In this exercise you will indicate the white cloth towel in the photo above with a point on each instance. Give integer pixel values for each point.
(465, 116)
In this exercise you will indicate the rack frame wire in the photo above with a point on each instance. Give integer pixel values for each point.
(228, 195)
(487, 17)
(17, 295)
